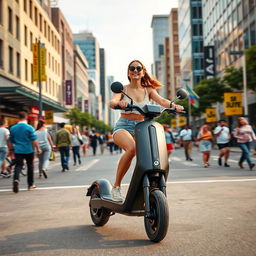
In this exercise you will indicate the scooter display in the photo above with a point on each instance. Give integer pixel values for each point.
(146, 194)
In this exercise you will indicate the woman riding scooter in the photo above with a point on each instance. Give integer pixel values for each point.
(142, 88)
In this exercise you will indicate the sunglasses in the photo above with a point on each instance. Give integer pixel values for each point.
(138, 68)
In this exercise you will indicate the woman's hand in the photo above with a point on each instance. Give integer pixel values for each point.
(123, 104)
(178, 108)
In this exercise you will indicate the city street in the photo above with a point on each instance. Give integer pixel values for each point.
(212, 212)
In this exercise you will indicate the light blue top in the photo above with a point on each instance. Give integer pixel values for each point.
(22, 135)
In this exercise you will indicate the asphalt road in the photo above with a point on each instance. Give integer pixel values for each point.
(212, 212)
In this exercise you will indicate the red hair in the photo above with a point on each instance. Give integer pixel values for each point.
(146, 80)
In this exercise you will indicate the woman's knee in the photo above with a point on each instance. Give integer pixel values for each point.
(131, 151)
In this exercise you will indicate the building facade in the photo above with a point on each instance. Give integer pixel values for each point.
(191, 41)
(23, 23)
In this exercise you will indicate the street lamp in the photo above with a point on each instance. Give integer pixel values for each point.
(244, 78)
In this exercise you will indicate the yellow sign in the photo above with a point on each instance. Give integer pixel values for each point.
(37, 60)
(211, 115)
(233, 103)
(173, 123)
(48, 116)
(182, 121)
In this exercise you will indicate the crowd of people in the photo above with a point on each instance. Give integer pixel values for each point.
(21, 142)
(206, 137)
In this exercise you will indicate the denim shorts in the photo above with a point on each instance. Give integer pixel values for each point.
(125, 124)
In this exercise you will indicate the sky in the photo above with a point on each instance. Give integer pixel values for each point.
(122, 28)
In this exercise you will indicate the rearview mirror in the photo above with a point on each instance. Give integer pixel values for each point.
(117, 87)
(181, 94)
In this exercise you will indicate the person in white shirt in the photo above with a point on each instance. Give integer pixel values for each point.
(222, 134)
(4, 134)
(186, 139)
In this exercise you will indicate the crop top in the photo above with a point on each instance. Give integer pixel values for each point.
(141, 104)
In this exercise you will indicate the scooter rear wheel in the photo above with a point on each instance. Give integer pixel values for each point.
(99, 216)
(157, 224)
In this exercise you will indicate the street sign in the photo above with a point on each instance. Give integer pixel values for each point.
(48, 116)
(69, 95)
(173, 123)
(233, 103)
(211, 115)
(182, 121)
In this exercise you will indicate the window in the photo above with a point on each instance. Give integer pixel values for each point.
(31, 40)
(45, 29)
(9, 19)
(30, 9)
(18, 64)
(25, 35)
(17, 27)
(10, 59)
(36, 16)
(253, 33)
(160, 50)
(31, 77)
(40, 22)
(25, 5)
(246, 39)
(26, 70)
(1, 11)
(1, 53)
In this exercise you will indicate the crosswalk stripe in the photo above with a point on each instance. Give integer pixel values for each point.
(87, 166)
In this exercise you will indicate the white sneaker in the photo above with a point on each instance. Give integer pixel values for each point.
(116, 194)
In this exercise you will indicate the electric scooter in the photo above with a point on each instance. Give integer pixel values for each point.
(146, 195)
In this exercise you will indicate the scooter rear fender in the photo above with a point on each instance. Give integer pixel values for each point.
(104, 187)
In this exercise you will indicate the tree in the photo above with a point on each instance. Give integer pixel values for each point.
(251, 68)
(233, 78)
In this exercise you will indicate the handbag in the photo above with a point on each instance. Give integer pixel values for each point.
(52, 156)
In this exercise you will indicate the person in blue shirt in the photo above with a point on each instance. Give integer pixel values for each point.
(22, 141)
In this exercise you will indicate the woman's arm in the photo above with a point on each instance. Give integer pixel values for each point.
(153, 94)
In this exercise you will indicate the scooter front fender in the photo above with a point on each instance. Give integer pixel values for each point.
(103, 186)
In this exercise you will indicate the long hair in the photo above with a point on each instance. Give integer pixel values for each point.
(239, 121)
(40, 124)
(147, 80)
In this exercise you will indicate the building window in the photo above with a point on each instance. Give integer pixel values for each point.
(253, 33)
(246, 39)
(36, 16)
(1, 11)
(1, 53)
(26, 70)
(9, 19)
(45, 29)
(17, 27)
(18, 64)
(40, 22)
(25, 5)
(31, 40)
(25, 35)
(10, 59)
(31, 66)
(30, 9)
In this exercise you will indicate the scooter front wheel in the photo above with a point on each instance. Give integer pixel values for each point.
(157, 223)
(99, 216)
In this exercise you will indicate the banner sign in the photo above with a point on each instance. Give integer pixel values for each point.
(211, 115)
(48, 116)
(233, 103)
(209, 62)
(69, 92)
(86, 106)
(39, 58)
(182, 121)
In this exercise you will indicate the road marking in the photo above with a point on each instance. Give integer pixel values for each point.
(87, 166)
(127, 184)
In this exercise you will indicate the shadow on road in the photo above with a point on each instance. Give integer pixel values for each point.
(71, 237)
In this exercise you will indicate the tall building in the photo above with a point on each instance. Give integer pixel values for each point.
(103, 85)
(23, 23)
(81, 80)
(67, 56)
(191, 41)
(230, 26)
(91, 50)
(174, 54)
(160, 31)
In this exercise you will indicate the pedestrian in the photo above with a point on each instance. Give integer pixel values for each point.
(186, 140)
(169, 139)
(85, 140)
(110, 142)
(63, 142)
(101, 140)
(46, 146)
(142, 89)
(23, 141)
(93, 141)
(205, 143)
(75, 143)
(244, 135)
(4, 135)
(222, 134)
(254, 143)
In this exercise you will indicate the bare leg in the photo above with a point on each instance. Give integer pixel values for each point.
(124, 140)
(226, 154)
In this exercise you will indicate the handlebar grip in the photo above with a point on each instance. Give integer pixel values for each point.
(117, 107)
(126, 109)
